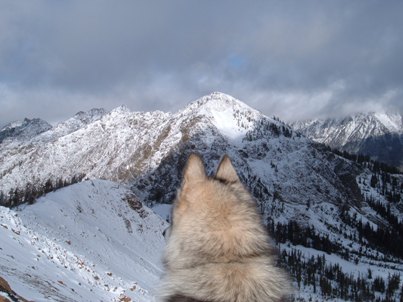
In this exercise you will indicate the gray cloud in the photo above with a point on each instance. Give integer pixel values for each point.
(292, 59)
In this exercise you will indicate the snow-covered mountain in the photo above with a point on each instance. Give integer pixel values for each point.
(119, 145)
(92, 241)
(379, 135)
(23, 130)
(320, 207)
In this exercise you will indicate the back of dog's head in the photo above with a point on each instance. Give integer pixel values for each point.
(218, 248)
(214, 219)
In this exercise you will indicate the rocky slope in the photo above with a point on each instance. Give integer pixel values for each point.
(92, 241)
(23, 130)
(379, 135)
(316, 203)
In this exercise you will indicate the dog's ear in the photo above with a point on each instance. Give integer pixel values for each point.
(194, 170)
(226, 170)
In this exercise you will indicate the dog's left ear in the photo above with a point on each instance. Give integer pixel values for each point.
(226, 170)
(194, 170)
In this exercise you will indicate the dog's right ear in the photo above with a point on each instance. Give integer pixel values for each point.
(226, 170)
(194, 170)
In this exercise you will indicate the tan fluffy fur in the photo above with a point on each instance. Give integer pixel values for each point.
(218, 249)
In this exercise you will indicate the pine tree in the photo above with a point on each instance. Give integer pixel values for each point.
(374, 181)
(2, 198)
(369, 274)
(393, 284)
(17, 197)
(59, 184)
(48, 186)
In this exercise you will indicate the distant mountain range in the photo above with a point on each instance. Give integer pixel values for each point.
(332, 218)
(24, 130)
(379, 135)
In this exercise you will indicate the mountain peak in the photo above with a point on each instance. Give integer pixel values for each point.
(217, 101)
(79, 120)
(90, 115)
(230, 116)
(362, 133)
(25, 129)
(120, 109)
(392, 121)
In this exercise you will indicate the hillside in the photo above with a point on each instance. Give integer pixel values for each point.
(323, 209)
(379, 135)
(91, 241)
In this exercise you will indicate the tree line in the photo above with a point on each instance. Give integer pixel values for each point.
(31, 192)
(384, 238)
(330, 281)
(374, 165)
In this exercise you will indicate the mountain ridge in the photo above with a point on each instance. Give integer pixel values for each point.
(379, 135)
(24, 129)
(77, 243)
(303, 190)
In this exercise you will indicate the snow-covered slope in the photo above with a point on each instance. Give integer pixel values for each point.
(79, 120)
(23, 130)
(315, 196)
(111, 147)
(352, 128)
(231, 117)
(120, 144)
(379, 135)
(92, 241)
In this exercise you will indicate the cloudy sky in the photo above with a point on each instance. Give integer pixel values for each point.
(293, 59)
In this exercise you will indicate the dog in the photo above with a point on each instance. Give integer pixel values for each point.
(217, 249)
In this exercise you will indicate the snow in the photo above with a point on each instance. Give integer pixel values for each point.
(19, 131)
(82, 243)
(98, 149)
(121, 144)
(224, 121)
(352, 129)
(378, 268)
(11, 125)
(231, 117)
(393, 122)
(163, 210)
(88, 230)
